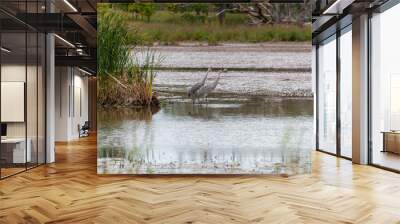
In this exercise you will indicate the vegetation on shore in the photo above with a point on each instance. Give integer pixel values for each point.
(170, 34)
(169, 26)
(122, 79)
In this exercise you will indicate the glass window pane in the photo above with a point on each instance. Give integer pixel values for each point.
(23, 90)
(31, 97)
(385, 114)
(346, 92)
(13, 86)
(327, 95)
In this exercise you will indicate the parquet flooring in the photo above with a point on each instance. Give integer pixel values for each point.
(10, 171)
(70, 191)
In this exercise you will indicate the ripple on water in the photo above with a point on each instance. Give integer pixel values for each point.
(258, 137)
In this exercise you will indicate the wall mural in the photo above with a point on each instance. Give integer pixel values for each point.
(201, 89)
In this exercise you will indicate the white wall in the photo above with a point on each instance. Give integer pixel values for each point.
(70, 83)
(11, 73)
(33, 126)
(62, 82)
(80, 94)
(13, 100)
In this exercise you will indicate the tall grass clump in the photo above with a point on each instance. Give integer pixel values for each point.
(123, 80)
(141, 76)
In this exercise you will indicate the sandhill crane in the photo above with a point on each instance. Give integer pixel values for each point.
(192, 90)
(206, 89)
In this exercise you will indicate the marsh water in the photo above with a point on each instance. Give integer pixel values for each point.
(246, 126)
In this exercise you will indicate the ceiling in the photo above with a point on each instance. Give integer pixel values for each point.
(73, 21)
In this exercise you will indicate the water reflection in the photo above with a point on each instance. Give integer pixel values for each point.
(250, 135)
(257, 106)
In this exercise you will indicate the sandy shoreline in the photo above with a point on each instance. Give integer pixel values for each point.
(254, 69)
(240, 83)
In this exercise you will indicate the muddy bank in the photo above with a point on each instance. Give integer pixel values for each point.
(239, 83)
(262, 69)
(234, 55)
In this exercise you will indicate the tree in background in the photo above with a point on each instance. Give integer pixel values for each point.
(265, 12)
(145, 10)
(191, 12)
(197, 8)
(221, 14)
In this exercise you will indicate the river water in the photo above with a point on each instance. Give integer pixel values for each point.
(253, 123)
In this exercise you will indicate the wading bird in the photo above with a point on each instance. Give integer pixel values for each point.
(192, 90)
(206, 89)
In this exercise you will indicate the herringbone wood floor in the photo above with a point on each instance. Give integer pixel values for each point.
(69, 191)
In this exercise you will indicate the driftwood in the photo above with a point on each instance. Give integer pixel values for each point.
(268, 13)
(117, 80)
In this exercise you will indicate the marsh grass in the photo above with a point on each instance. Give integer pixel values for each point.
(172, 33)
(141, 77)
(168, 28)
(133, 86)
(123, 79)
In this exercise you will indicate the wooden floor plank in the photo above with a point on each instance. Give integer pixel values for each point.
(70, 191)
